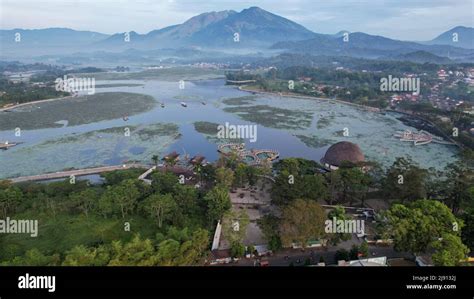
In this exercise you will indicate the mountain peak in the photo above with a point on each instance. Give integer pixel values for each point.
(341, 33)
(213, 14)
(461, 28)
(255, 8)
(255, 11)
(459, 36)
(203, 20)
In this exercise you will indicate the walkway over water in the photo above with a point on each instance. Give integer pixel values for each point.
(240, 81)
(75, 172)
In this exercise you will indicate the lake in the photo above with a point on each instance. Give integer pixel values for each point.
(121, 131)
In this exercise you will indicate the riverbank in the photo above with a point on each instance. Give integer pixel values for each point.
(432, 127)
(295, 95)
(436, 131)
(74, 172)
(34, 102)
(78, 111)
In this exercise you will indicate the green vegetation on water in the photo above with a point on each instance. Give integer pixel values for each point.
(323, 122)
(165, 74)
(247, 100)
(314, 141)
(144, 133)
(273, 117)
(77, 111)
(210, 130)
(109, 85)
(205, 127)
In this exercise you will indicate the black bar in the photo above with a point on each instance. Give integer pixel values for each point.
(191, 282)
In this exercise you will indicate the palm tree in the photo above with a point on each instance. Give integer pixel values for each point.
(155, 159)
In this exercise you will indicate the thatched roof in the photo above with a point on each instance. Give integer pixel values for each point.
(197, 159)
(171, 156)
(343, 151)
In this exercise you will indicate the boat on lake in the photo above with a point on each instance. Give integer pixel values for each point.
(6, 145)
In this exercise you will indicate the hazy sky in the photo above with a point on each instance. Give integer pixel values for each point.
(400, 19)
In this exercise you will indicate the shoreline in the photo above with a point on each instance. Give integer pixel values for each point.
(32, 103)
(367, 108)
(294, 95)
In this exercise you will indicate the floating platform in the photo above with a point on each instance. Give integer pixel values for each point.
(419, 138)
(251, 157)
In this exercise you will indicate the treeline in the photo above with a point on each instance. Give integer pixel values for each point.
(457, 118)
(287, 60)
(122, 222)
(127, 222)
(355, 87)
(442, 200)
(460, 91)
(169, 223)
(16, 66)
(404, 181)
(52, 74)
(25, 92)
(178, 249)
(241, 76)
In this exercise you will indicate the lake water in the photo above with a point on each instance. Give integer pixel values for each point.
(320, 123)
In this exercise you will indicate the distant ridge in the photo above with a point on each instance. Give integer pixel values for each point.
(250, 30)
(459, 36)
(364, 45)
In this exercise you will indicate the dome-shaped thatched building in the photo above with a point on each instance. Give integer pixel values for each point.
(340, 152)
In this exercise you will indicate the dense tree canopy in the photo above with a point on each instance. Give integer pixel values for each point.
(415, 226)
(301, 222)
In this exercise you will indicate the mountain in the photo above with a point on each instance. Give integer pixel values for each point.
(421, 57)
(120, 41)
(171, 36)
(46, 40)
(193, 25)
(341, 33)
(463, 35)
(367, 46)
(256, 28)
